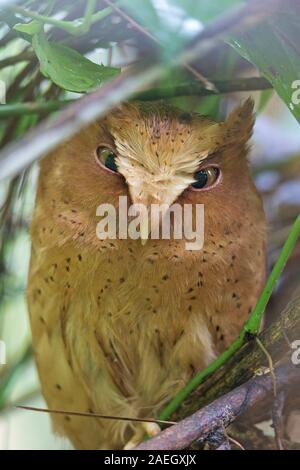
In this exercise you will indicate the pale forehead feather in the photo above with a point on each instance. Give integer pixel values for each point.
(161, 137)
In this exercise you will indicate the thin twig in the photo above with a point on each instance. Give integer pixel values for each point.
(197, 89)
(271, 366)
(21, 109)
(277, 418)
(94, 415)
(130, 20)
(235, 442)
(207, 83)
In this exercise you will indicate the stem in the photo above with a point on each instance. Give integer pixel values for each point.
(251, 326)
(199, 89)
(191, 89)
(19, 109)
(199, 378)
(68, 26)
(88, 16)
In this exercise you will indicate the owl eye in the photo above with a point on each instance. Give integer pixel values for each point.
(206, 177)
(107, 159)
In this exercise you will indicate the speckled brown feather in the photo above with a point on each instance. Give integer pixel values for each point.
(119, 327)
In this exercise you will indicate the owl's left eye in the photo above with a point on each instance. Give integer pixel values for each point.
(107, 159)
(206, 178)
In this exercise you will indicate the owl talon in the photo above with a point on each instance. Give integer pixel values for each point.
(152, 429)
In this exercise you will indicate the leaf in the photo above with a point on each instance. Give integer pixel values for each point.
(273, 47)
(67, 68)
(34, 27)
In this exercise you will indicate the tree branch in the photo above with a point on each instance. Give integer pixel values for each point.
(198, 89)
(191, 89)
(248, 359)
(221, 412)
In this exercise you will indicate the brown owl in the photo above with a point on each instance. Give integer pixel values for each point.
(119, 326)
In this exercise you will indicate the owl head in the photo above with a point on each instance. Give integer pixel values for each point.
(160, 151)
(158, 154)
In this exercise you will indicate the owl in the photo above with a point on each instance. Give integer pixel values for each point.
(120, 325)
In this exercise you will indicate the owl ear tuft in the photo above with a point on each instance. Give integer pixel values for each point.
(238, 126)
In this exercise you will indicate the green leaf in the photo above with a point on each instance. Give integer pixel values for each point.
(273, 47)
(67, 68)
(34, 27)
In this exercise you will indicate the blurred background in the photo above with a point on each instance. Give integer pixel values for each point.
(116, 42)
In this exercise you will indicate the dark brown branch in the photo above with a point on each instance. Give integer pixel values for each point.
(222, 411)
(92, 415)
(198, 89)
(246, 361)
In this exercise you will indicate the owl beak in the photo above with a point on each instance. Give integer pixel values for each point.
(145, 230)
(146, 200)
(145, 226)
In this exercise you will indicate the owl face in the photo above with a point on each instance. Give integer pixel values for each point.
(159, 155)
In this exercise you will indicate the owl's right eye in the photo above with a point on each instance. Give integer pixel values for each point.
(106, 158)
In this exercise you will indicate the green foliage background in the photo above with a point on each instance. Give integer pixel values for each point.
(49, 55)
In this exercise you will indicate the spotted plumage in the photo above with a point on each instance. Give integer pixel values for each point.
(119, 326)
